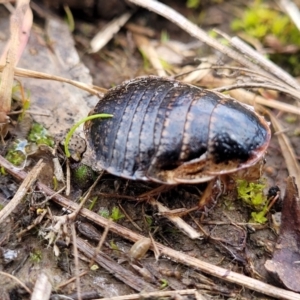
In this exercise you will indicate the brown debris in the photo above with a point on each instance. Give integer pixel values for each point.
(285, 263)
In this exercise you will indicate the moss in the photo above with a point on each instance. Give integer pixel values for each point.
(115, 214)
(252, 194)
(16, 153)
(39, 135)
(82, 175)
(260, 21)
(104, 212)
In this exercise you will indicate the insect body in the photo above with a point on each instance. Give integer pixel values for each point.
(170, 132)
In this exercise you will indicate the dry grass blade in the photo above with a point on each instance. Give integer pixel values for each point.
(292, 10)
(20, 25)
(177, 221)
(105, 35)
(65, 283)
(101, 242)
(287, 151)
(200, 72)
(42, 288)
(252, 85)
(39, 75)
(260, 60)
(150, 52)
(253, 99)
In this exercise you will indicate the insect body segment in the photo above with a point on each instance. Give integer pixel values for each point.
(170, 132)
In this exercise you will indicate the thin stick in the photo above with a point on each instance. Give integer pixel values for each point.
(253, 99)
(154, 295)
(293, 93)
(263, 62)
(177, 221)
(40, 75)
(37, 221)
(86, 197)
(101, 242)
(17, 280)
(22, 190)
(77, 274)
(130, 219)
(70, 280)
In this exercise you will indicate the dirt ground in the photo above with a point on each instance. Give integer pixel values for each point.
(225, 238)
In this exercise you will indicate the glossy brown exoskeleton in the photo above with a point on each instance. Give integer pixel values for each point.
(170, 132)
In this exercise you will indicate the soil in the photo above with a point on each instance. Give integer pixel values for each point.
(227, 239)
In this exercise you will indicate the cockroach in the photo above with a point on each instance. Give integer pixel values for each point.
(171, 132)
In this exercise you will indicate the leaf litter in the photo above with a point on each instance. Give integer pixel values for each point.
(229, 251)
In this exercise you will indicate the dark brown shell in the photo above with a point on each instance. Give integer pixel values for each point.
(170, 132)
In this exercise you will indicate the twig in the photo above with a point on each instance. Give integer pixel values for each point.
(37, 221)
(263, 62)
(126, 276)
(77, 274)
(252, 99)
(73, 215)
(17, 280)
(94, 90)
(63, 284)
(154, 295)
(177, 221)
(101, 242)
(130, 219)
(22, 190)
(251, 85)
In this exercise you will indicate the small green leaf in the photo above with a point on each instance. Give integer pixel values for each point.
(72, 130)
(259, 217)
(114, 246)
(164, 283)
(116, 214)
(252, 194)
(193, 3)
